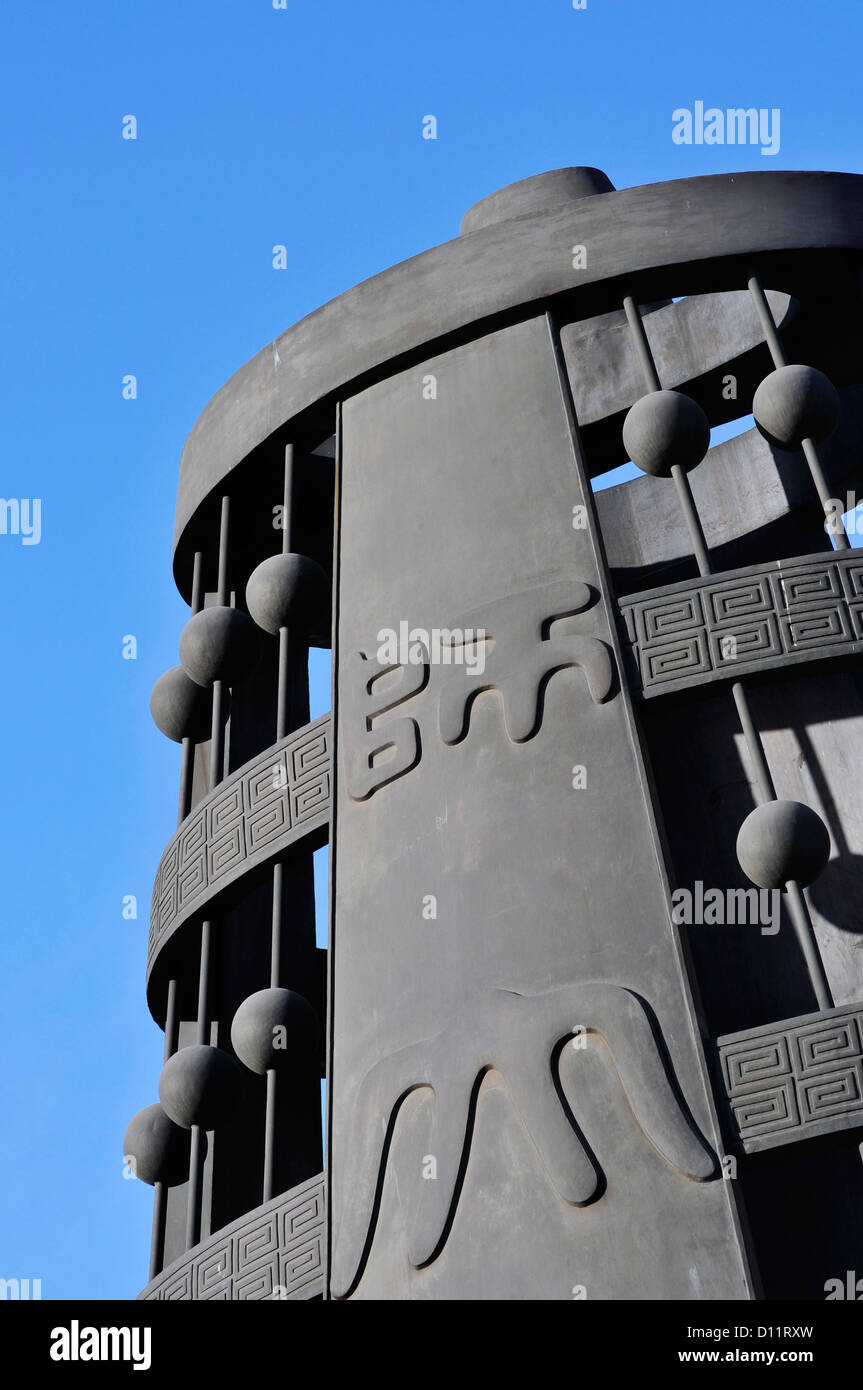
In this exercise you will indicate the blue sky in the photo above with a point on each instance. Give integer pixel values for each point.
(256, 126)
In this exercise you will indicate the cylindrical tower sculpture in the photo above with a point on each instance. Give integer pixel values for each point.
(591, 1013)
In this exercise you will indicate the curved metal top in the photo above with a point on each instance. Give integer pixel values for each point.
(495, 270)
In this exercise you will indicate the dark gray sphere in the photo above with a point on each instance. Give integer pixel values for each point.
(783, 840)
(180, 708)
(664, 429)
(275, 1029)
(158, 1147)
(289, 591)
(200, 1085)
(219, 644)
(796, 403)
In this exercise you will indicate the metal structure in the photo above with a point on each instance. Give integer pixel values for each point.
(591, 1013)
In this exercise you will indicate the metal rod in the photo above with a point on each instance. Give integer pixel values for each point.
(203, 1026)
(202, 1029)
(692, 519)
(798, 908)
(187, 760)
(805, 932)
(217, 735)
(681, 481)
(835, 524)
(810, 451)
(197, 582)
(753, 743)
(283, 727)
(160, 1192)
(288, 511)
(196, 1183)
(278, 918)
(157, 1236)
(222, 594)
(642, 346)
(766, 319)
(187, 769)
(283, 694)
(171, 1021)
(270, 1136)
(196, 1156)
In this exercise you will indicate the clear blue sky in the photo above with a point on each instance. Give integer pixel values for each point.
(256, 126)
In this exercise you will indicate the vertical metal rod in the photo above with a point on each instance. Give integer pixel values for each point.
(160, 1191)
(288, 513)
(276, 938)
(203, 1026)
(753, 743)
(157, 1235)
(283, 696)
(798, 908)
(692, 519)
(270, 1137)
(810, 452)
(187, 768)
(642, 346)
(766, 319)
(171, 1021)
(196, 1160)
(681, 481)
(224, 535)
(805, 933)
(835, 524)
(196, 1157)
(187, 761)
(217, 737)
(196, 1176)
(283, 726)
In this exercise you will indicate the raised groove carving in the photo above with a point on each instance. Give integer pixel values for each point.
(275, 1251)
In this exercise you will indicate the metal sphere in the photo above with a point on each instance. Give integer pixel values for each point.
(275, 1029)
(158, 1147)
(664, 429)
(783, 840)
(219, 644)
(200, 1085)
(289, 591)
(180, 708)
(796, 403)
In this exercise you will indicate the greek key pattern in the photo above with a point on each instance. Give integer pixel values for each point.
(271, 802)
(275, 1251)
(796, 1079)
(745, 620)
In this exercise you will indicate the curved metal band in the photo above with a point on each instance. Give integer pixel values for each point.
(273, 1252)
(271, 803)
(454, 287)
(744, 621)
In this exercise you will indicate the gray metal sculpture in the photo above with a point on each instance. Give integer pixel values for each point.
(581, 742)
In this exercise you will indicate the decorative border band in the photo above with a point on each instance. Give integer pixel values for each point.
(743, 621)
(275, 1251)
(795, 1079)
(266, 805)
